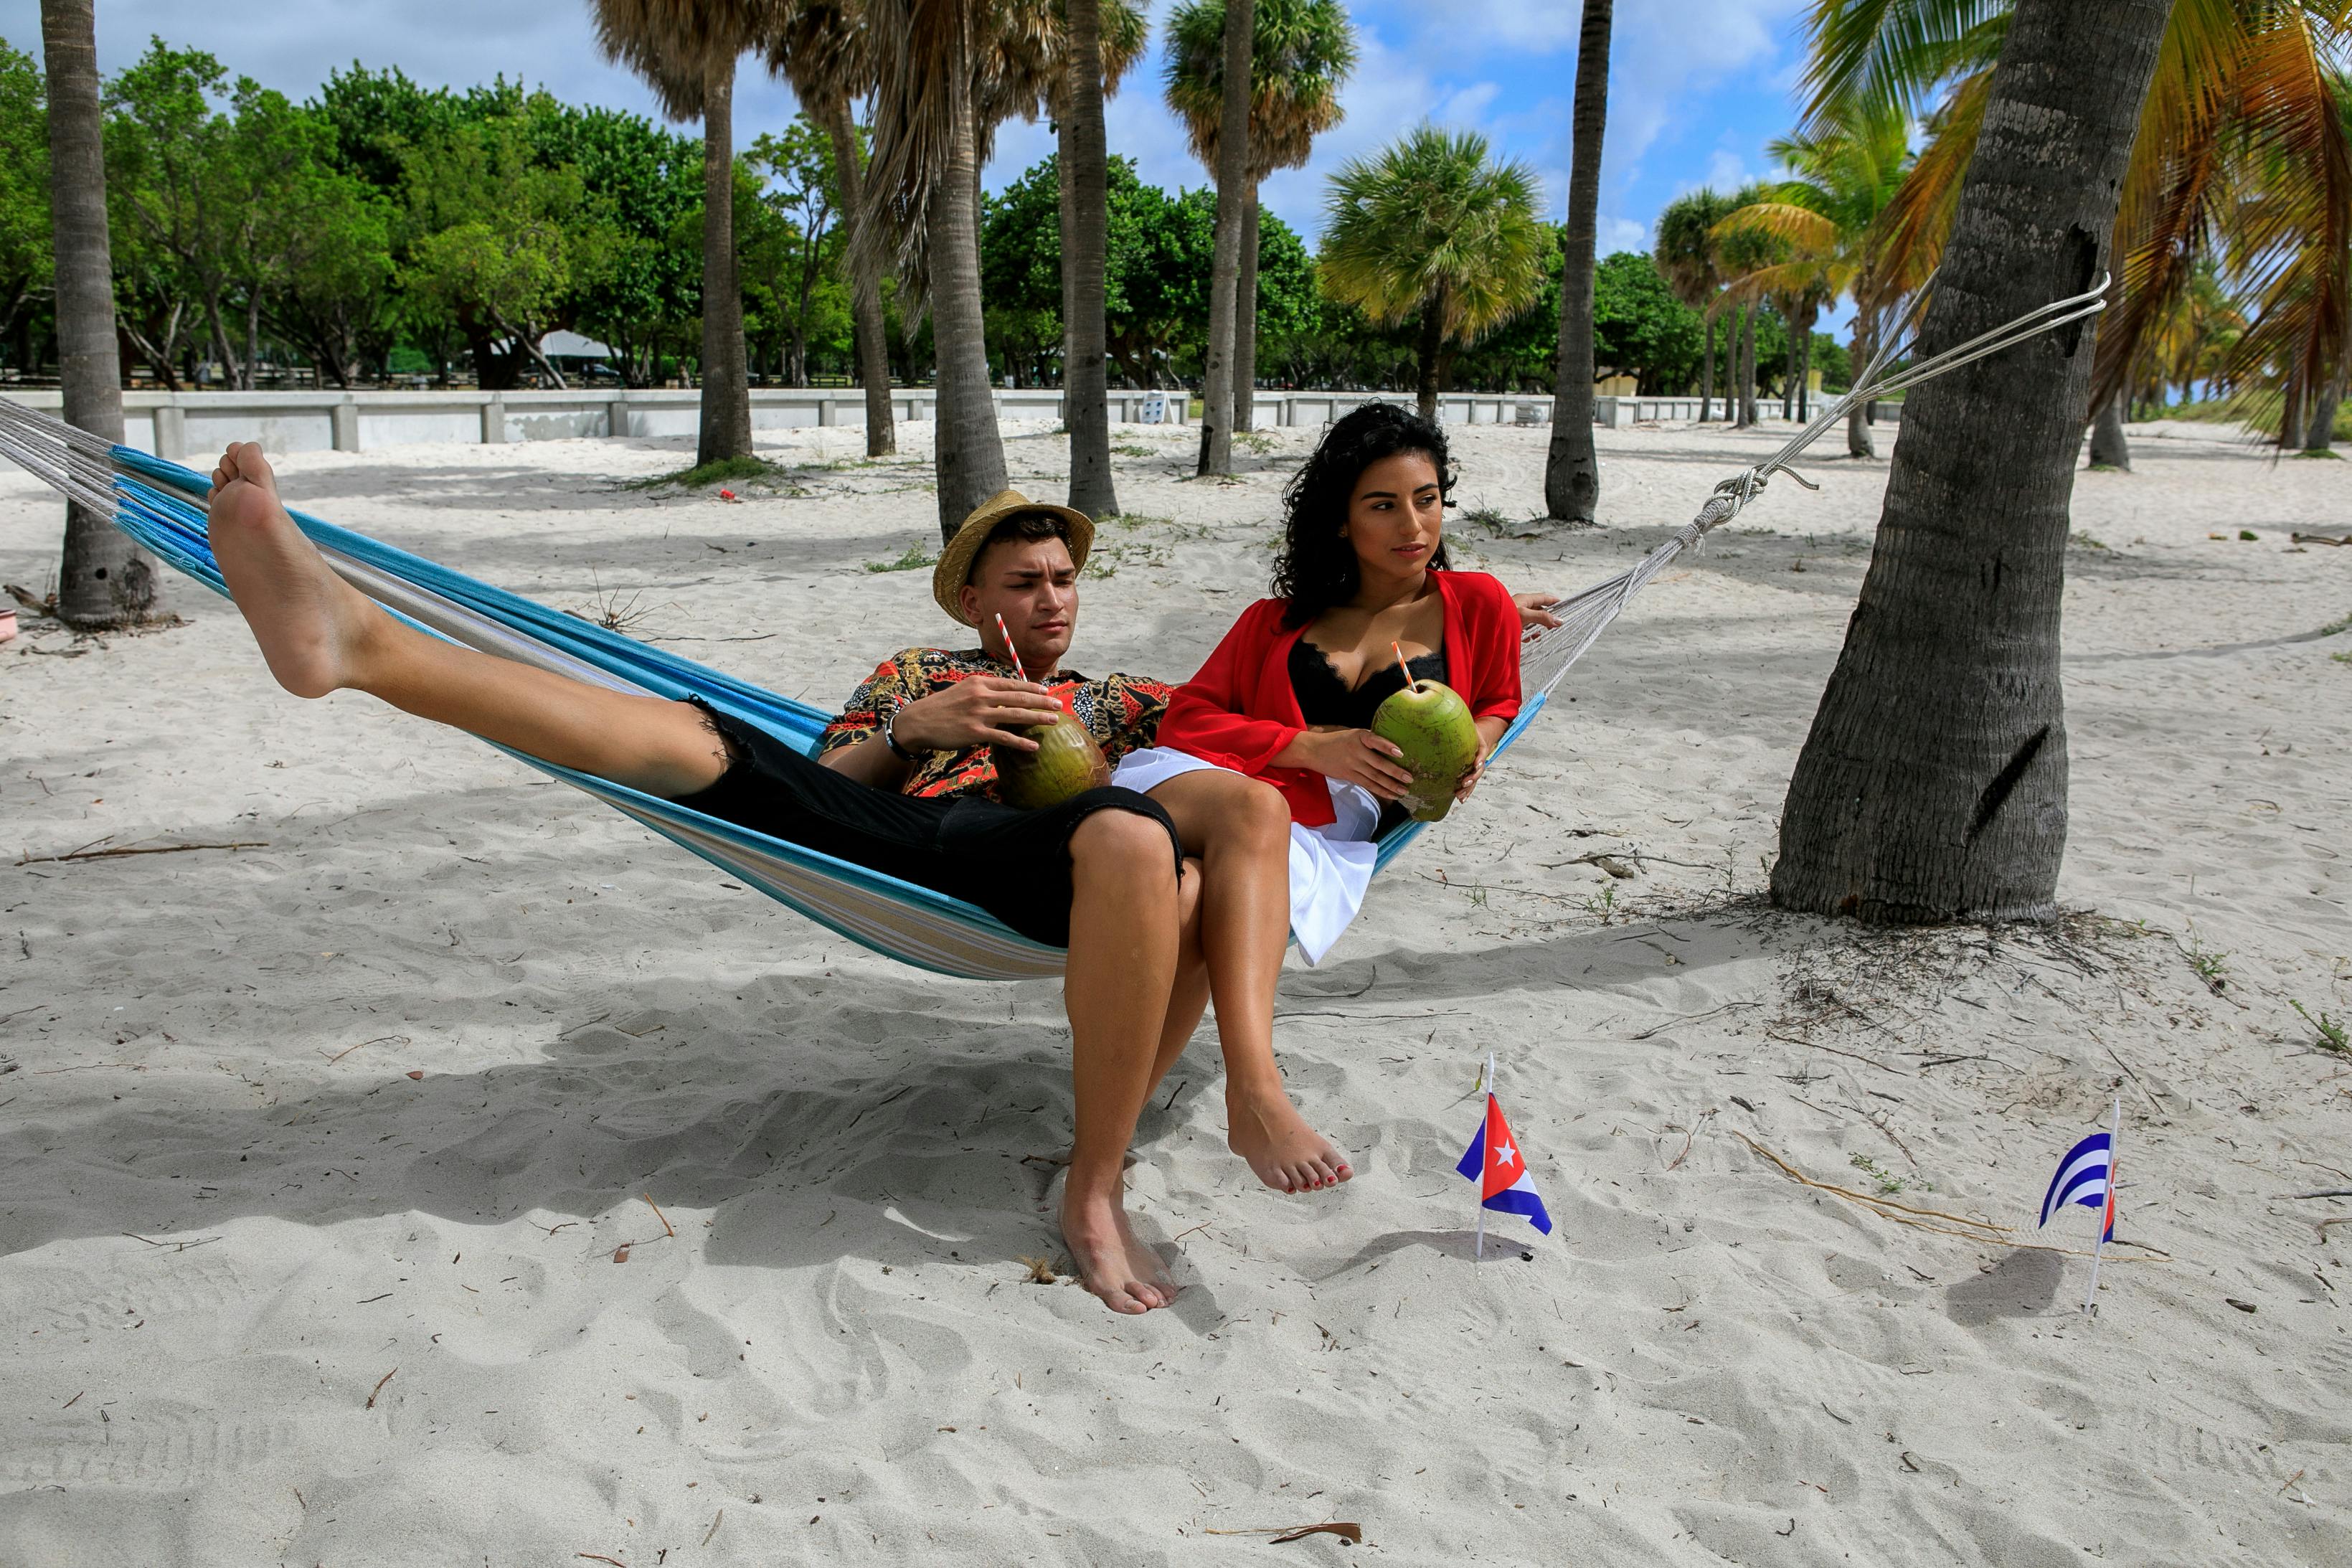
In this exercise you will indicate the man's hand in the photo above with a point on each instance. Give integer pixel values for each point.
(980, 711)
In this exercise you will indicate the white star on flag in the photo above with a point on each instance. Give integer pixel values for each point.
(1505, 1154)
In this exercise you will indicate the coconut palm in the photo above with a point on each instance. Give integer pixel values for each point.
(1037, 66)
(1827, 213)
(1571, 467)
(2241, 154)
(922, 196)
(1430, 229)
(1301, 53)
(103, 580)
(1741, 253)
(1685, 258)
(1933, 784)
(821, 48)
(1217, 400)
(686, 51)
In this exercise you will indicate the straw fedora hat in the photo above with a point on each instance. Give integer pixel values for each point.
(954, 569)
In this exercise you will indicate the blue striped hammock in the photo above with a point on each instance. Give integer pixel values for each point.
(161, 504)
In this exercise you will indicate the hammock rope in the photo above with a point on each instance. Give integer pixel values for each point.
(161, 504)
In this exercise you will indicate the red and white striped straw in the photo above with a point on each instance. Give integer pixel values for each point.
(1407, 669)
(1009, 651)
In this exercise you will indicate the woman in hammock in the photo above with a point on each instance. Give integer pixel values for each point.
(1288, 695)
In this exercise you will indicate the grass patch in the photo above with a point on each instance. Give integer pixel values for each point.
(2087, 543)
(2342, 623)
(2332, 1036)
(1130, 449)
(2257, 411)
(912, 559)
(704, 475)
(1887, 1182)
(1258, 442)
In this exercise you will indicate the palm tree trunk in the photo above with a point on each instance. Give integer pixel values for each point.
(1789, 373)
(1431, 345)
(1805, 372)
(1572, 471)
(970, 450)
(2319, 436)
(1086, 373)
(726, 375)
(1706, 373)
(1748, 367)
(1224, 266)
(865, 283)
(1933, 785)
(104, 579)
(2108, 448)
(1245, 322)
(1066, 193)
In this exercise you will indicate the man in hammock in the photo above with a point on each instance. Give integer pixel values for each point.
(1104, 873)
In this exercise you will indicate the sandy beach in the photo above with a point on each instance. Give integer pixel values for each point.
(453, 1172)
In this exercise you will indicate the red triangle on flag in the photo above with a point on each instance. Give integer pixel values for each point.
(1505, 1164)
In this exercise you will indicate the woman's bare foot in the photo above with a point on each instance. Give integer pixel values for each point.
(1263, 1128)
(1128, 1276)
(308, 620)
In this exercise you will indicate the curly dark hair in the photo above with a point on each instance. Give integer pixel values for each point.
(1316, 568)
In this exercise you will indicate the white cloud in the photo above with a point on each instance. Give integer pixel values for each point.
(1614, 234)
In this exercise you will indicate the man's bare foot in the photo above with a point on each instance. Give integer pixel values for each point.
(306, 619)
(1111, 1263)
(1266, 1128)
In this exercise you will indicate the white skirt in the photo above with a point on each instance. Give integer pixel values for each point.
(1330, 866)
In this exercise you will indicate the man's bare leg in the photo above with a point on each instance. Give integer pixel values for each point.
(1124, 940)
(320, 635)
(1240, 827)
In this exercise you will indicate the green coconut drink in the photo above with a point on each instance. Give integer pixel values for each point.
(1430, 723)
(1066, 762)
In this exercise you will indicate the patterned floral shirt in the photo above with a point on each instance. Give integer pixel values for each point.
(1122, 712)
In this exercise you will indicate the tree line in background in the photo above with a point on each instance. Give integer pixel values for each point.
(385, 231)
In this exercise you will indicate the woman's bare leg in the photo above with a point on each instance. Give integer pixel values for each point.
(320, 635)
(1240, 828)
(1124, 940)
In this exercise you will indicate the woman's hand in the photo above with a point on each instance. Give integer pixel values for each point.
(1490, 732)
(1355, 756)
(1535, 612)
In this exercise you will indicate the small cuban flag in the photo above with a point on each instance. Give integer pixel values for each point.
(2087, 1175)
(1494, 1162)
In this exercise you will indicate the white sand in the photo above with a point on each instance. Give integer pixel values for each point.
(836, 1358)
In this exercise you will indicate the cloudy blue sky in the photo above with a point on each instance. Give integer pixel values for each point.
(1697, 87)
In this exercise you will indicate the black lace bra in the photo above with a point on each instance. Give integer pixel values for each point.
(1325, 699)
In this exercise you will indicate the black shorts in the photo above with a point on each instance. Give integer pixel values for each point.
(1014, 864)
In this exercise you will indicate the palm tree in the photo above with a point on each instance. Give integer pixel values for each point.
(2241, 153)
(922, 197)
(686, 51)
(1933, 784)
(1685, 258)
(1741, 253)
(822, 49)
(1430, 229)
(103, 580)
(1571, 468)
(1085, 244)
(1038, 55)
(1827, 213)
(1217, 399)
(1301, 53)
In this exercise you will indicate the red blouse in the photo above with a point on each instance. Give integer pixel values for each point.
(1240, 711)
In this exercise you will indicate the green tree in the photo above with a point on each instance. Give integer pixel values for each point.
(1432, 229)
(801, 248)
(1686, 257)
(25, 256)
(1301, 53)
